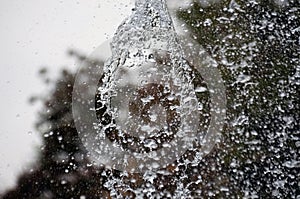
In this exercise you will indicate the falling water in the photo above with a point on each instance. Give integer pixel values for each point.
(146, 102)
(152, 108)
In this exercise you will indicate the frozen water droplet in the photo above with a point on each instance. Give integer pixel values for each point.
(243, 78)
(151, 143)
(200, 89)
(292, 164)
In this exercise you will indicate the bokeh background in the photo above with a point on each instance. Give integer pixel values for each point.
(34, 35)
(255, 45)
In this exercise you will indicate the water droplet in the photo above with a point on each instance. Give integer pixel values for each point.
(59, 138)
(200, 89)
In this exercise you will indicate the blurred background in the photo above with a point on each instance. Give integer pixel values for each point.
(256, 47)
(34, 35)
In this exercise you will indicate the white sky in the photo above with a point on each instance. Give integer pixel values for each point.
(33, 34)
(36, 33)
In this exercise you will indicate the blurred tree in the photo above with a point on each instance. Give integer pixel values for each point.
(256, 46)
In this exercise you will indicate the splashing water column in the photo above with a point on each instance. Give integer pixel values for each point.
(146, 98)
(143, 114)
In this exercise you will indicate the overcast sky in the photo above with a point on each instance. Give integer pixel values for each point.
(36, 33)
(33, 34)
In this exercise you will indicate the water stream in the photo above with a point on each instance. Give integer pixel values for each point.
(146, 102)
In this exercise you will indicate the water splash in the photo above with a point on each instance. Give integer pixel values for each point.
(146, 97)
